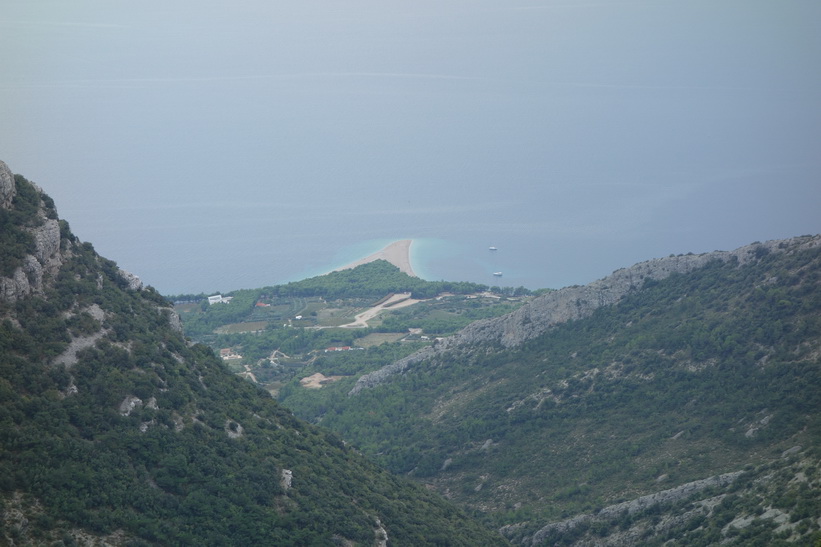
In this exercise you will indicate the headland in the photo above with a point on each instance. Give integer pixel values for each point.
(397, 253)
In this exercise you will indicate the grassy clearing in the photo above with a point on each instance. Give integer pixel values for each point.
(334, 317)
(236, 328)
(379, 338)
(335, 321)
(188, 307)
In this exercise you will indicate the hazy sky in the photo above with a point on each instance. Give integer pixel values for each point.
(207, 145)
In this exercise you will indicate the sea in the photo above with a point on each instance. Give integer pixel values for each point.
(181, 254)
(196, 271)
(183, 248)
(431, 259)
(219, 247)
(207, 149)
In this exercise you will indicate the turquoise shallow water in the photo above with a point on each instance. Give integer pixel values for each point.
(444, 260)
(432, 259)
(436, 259)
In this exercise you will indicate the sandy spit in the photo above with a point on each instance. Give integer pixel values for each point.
(397, 253)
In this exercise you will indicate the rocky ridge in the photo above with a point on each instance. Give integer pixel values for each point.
(718, 509)
(41, 265)
(631, 507)
(577, 302)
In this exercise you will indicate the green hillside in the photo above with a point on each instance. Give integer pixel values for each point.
(115, 430)
(699, 374)
(280, 332)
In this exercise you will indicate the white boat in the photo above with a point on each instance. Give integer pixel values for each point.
(497, 274)
(492, 248)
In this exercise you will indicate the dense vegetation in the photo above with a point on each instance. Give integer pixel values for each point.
(374, 280)
(445, 317)
(111, 425)
(356, 287)
(692, 376)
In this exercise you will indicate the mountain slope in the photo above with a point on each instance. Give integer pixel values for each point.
(577, 302)
(665, 374)
(114, 430)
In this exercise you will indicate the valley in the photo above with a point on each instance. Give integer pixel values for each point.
(560, 419)
(117, 430)
(280, 334)
(674, 402)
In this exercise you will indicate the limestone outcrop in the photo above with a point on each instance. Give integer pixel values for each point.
(134, 282)
(7, 187)
(45, 259)
(577, 302)
(631, 507)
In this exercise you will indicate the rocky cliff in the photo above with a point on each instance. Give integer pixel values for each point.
(7, 189)
(577, 302)
(44, 253)
(43, 259)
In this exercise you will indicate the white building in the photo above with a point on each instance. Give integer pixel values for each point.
(219, 299)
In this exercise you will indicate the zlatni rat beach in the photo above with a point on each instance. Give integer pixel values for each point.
(397, 253)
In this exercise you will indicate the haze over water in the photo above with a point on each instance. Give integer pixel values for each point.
(211, 146)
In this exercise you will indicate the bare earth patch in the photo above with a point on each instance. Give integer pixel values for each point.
(316, 381)
(395, 301)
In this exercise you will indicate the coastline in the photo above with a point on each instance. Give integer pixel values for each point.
(397, 253)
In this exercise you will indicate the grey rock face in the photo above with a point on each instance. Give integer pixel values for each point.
(668, 496)
(134, 282)
(286, 479)
(129, 404)
(12, 288)
(173, 318)
(571, 303)
(46, 259)
(47, 241)
(7, 187)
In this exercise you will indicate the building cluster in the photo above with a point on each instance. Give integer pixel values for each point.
(228, 354)
(219, 299)
(340, 348)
